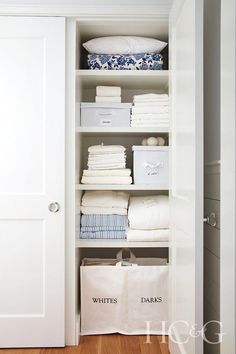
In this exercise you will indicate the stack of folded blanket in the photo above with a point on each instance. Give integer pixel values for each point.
(107, 165)
(148, 218)
(150, 110)
(108, 94)
(104, 215)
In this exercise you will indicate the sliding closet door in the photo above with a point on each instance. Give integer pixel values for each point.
(186, 195)
(32, 114)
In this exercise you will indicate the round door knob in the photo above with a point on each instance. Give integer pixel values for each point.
(54, 207)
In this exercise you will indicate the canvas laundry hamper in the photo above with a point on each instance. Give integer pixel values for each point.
(124, 295)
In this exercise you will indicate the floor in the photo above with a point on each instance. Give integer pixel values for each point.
(105, 344)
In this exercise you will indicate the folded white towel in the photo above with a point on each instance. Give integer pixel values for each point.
(115, 199)
(151, 109)
(106, 149)
(149, 124)
(148, 235)
(151, 103)
(108, 91)
(145, 116)
(149, 212)
(104, 99)
(150, 96)
(102, 157)
(107, 166)
(105, 211)
(98, 173)
(106, 180)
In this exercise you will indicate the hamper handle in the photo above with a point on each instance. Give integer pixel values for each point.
(131, 258)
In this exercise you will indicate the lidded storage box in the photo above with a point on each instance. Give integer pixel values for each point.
(151, 165)
(105, 114)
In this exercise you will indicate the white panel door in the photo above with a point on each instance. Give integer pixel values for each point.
(186, 194)
(32, 118)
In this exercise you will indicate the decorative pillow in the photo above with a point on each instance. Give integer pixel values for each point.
(124, 45)
(125, 62)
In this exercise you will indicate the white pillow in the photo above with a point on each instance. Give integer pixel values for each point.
(124, 45)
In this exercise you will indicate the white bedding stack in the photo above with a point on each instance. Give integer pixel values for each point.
(106, 165)
(150, 110)
(108, 94)
(148, 218)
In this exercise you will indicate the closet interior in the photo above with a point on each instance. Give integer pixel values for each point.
(131, 82)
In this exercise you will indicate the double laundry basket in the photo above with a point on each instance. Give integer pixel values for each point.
(128, 296)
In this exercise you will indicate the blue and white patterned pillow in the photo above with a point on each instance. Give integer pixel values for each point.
(141, 61)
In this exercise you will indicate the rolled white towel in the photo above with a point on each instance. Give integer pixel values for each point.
(108, 91)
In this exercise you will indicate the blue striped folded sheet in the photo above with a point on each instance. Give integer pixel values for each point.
(97, 220)
(103, 235)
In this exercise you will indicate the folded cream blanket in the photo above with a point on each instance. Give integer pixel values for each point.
(106, 180)
(108, 91)
(113, 199)
(104, 99)
(148, 235)
(150, 109)
(149, 212)
(99, 173)
(104, 211)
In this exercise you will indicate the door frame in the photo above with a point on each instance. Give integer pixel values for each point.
(228, 182)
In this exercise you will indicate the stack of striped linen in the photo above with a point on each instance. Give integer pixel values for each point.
(107, 165)
(150, 110)
(104, 215)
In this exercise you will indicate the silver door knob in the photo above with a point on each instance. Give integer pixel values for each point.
(54, 207)
(211, 219)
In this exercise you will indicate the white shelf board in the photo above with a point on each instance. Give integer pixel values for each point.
(123, 130)
(118, 244)
(129, 79)
(128, 187)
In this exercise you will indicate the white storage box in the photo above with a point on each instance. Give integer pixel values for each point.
(151, 165)
(105, 114)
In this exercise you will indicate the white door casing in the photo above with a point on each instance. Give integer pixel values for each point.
(186, 192)
(32, 120)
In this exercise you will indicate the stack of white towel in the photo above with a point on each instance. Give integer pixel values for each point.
(150, 110)
(108, 94)
(148, 218)
(107, 165)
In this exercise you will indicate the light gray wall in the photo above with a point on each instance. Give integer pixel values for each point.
(212, 79)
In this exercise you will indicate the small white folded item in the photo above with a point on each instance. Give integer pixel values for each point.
(150, 96)
(149, 212)
(148, 116)
(160, 235)
(108, 91)
(106, 149)
(106, 180)
(98, 173)
(151, 109)
(115, 199)
(116, 99)
(105, 210)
